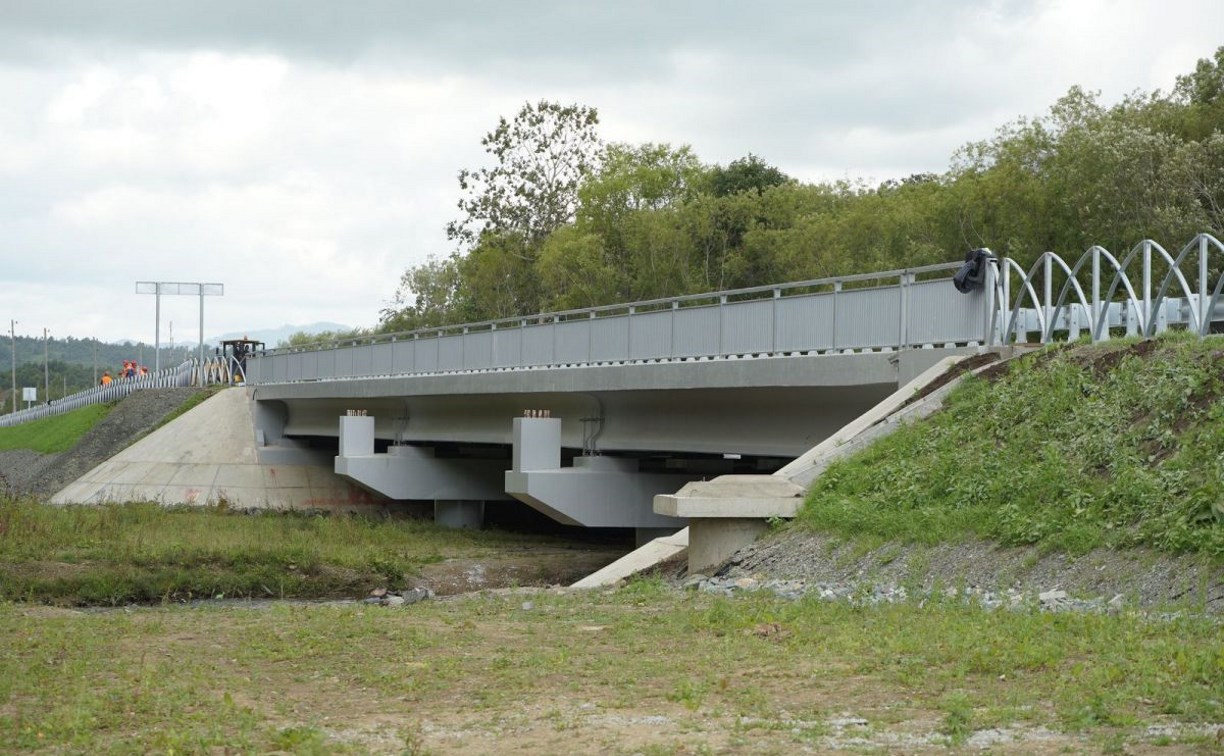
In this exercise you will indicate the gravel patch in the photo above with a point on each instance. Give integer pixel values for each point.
(28, 473)
(794, 563)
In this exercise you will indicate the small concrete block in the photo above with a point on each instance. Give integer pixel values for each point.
(728, 496)
(713, 541)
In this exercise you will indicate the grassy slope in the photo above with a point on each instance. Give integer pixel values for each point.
(52, 435)
(1075, 447)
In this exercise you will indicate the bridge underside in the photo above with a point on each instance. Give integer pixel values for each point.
(616, 435)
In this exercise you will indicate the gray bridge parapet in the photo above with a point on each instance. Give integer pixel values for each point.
(891, 310)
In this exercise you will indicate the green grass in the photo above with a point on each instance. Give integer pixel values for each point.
(1076, 447)
(308, 678)
(116, 554)
(52, 435)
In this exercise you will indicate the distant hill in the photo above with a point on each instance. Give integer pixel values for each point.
(74, 364)
(75, 351)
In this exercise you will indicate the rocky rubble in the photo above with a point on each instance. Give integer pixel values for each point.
(383, 597)
(798, 563)
(875, 594)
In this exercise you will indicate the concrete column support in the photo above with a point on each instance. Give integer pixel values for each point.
(713, 540)
(356, 436)
(596, 492)
(537, 443)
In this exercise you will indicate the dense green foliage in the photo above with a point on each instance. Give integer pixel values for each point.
(1075, 447)
(653, 220)
(118, 554)
(55, 434)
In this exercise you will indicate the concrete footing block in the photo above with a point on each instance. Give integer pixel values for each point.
(713, 540)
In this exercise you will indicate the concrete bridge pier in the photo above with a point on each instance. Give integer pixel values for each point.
(595, 492)
(458, 487)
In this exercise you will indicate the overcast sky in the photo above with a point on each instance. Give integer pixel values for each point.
(303, 153)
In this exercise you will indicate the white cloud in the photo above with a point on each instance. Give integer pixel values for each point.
(304, 155)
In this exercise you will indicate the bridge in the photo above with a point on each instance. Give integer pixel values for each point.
(587, 415)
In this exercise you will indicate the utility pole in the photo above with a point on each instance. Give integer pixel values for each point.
(46, 370)
(13, 334)
(95, 345)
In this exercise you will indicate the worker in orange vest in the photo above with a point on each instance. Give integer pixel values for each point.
(106, 378)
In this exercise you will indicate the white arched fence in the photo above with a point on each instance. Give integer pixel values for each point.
(1144, 309)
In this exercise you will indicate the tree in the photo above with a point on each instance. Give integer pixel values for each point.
(633, 181)
(746, 174)
(426, 296)
(497, 281)
(542, 157)
(1206, 85)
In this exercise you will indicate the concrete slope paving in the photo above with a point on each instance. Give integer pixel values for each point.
(209, 456)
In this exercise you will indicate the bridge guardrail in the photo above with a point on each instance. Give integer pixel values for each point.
(114, 391)
(1143, 309)
(832, 314)
(888, 310)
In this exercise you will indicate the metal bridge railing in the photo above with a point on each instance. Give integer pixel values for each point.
(114, 391)
(218, 371)
(888, 310)
(1144, 309)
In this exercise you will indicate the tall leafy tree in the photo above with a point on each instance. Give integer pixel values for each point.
(749, 173)
(427, 296)
(541, 157)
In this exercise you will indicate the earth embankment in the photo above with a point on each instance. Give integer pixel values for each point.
(28, 473)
